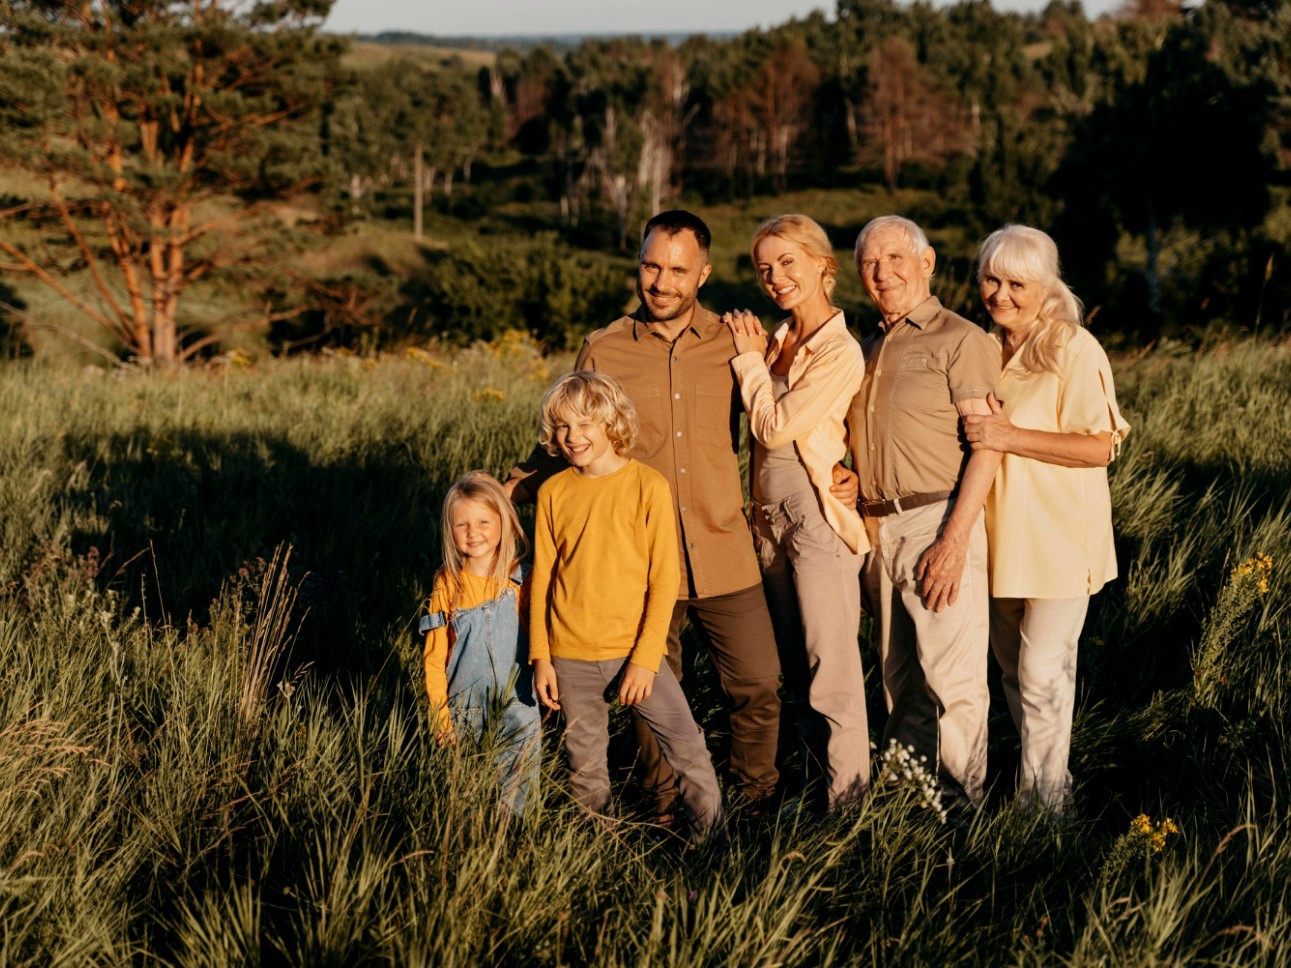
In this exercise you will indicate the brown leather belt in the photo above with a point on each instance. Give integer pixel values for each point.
(879, 509)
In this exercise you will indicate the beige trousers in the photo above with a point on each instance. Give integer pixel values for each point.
(1034, 641)
(934, 663)
(809, 575)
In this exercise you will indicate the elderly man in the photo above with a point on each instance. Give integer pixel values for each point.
(673, 358)
(922, 491)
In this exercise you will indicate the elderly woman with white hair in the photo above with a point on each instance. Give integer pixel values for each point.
(1049, 514)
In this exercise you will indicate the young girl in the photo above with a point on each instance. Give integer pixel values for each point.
(477, 656)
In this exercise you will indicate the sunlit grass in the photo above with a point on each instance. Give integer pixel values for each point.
(214, 745)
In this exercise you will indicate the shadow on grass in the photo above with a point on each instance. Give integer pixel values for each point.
(188, 512)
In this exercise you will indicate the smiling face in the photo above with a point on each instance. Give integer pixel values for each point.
(477, 532)
(584, 440)
(672, 269)
(1013, 304)
(788, 274)
(895, 276)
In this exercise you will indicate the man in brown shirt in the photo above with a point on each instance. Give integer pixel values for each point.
(673, 358)
(922, 492)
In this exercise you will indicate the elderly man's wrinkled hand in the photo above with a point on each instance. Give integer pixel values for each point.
(939, 571)
(989, 432)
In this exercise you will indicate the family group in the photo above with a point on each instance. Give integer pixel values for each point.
(975, 517)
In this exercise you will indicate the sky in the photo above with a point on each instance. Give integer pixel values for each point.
(483, 18)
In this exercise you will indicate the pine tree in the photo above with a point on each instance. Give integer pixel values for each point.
(159, 131)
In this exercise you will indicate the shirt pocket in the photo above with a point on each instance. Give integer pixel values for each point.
(922, 383)
(715, 421)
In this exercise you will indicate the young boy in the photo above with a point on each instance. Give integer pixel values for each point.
(605, 582)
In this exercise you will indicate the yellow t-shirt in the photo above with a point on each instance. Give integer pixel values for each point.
(1050, 527)
(474, 591)
(605, 571)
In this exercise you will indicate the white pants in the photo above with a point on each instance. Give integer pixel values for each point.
(1034, 641)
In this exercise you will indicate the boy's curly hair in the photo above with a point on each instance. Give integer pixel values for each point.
(592, 394)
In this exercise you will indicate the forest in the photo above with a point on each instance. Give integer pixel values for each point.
(200, 178)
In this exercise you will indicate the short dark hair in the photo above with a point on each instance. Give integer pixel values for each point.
(677, 220)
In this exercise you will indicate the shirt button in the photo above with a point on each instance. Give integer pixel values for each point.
(871, 408)
(681, 470)
(684, 508)
(676, 359)
(679, 432)
(676, 396)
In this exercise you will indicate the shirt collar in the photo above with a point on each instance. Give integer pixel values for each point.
(836, 324)
(703, 319)
(919, 317)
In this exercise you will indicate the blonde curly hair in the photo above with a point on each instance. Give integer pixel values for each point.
(591, 394)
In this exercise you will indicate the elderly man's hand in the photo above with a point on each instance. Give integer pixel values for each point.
(846, 486)
(939, 570)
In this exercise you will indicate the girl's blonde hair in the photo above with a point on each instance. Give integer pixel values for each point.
(595, 395)
(805, 233)
(480, 487)
(1029, 255)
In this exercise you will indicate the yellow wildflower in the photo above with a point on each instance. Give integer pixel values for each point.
(489, 393)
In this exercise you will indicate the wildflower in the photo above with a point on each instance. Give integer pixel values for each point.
(899, 765)
(1247, 583)
(489, 393)
(1143, 840)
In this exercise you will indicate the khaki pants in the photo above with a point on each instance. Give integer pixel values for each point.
(586, 689)
(810, 579)
(1034, 641)
(934, 663)
(737, 632)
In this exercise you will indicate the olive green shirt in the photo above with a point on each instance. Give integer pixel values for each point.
(903, 425)
(688, 404)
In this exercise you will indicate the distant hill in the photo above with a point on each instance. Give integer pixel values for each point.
(522, 42)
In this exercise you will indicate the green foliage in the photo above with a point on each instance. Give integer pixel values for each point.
(477, 290)
(214, 752)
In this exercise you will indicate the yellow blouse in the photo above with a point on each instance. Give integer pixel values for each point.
(1050, 527)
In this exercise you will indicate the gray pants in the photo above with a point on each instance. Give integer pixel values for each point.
(587, 688)
(809, 576)
(934, 663)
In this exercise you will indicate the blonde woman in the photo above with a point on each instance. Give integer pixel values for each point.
(1049, 514)
(810, 545)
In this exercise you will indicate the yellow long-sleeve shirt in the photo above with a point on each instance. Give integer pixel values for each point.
(475, 591)
(606, 569)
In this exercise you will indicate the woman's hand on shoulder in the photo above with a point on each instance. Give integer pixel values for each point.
(746, 331)
(992, 431)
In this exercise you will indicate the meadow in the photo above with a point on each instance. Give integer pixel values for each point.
(214, 746)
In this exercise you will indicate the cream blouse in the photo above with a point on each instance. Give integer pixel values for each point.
(1050, 527)
(825, 374)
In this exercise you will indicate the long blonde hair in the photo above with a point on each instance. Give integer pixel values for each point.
(805, 233)
(1029, 255)
(481, 487)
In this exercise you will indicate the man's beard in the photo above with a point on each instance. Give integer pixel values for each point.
(679, 307)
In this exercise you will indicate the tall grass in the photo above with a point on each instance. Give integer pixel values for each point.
(214, 748)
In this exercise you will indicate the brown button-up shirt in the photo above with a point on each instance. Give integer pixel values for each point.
(904, 423)
(688, 404)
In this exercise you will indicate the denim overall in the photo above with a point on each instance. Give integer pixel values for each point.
(490, 687)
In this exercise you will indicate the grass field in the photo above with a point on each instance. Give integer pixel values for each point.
(214, 745)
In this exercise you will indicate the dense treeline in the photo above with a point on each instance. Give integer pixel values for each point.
(1153, 143)
(162, 164)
